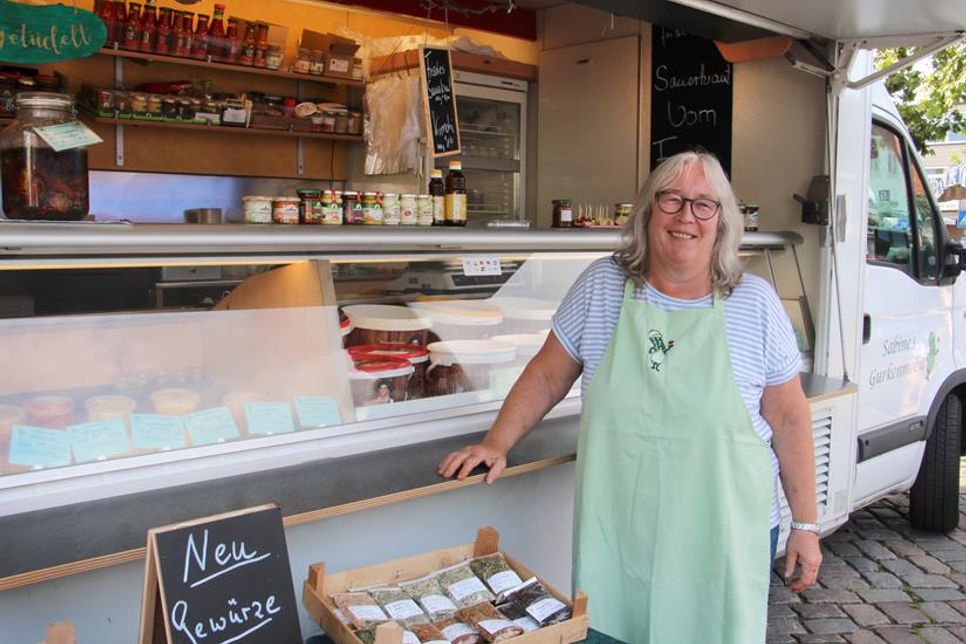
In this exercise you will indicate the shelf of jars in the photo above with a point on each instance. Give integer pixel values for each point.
(207, 63)
(226, 129)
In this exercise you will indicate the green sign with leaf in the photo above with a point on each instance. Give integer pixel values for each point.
(47, 33)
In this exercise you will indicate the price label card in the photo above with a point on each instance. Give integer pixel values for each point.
(473, 266)
(39, 447)
(317, 411)
(153, 431)
(99, 440)
(66, 136)
(269, 418)
(209, 426)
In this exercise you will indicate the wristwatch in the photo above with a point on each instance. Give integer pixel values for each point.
(807, 527)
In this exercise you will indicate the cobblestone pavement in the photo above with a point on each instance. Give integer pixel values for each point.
(881, 581)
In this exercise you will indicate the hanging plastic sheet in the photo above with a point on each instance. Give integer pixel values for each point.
(395, 124)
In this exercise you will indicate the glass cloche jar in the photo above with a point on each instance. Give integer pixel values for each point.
(37, 181)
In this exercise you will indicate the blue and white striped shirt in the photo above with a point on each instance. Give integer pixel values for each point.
(761, 341)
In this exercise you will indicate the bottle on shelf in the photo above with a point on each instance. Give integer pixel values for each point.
(234, 41)
(186, 39)
(455, 195)
(217, 37)
(438, 193)
(199, 42)
(149, 27)
(247, 55)
(120, 22)
(164, 45)
(105, 11)
(132, 27)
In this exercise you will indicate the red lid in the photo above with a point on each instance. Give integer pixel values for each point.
(378, 365)
(289, 102)
(389, 351)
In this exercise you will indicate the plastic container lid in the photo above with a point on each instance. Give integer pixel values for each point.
(460, 312)
(471, 352)
(256, 198)
(386, 317)
(395, 351)
(525, 308)
(527, 344)
(110, 403)
(379, 368)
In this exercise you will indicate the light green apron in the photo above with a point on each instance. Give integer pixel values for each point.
(674, 487)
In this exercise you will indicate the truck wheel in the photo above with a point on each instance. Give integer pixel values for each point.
(934, 498)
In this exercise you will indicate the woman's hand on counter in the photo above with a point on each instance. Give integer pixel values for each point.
(464, 460)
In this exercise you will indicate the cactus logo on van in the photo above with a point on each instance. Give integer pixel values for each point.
(933, 352)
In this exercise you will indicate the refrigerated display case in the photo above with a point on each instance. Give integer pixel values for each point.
(492, 114)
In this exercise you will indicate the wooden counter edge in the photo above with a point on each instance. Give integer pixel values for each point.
(126, 556)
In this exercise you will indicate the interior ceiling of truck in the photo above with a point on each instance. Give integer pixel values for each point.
(738, 20)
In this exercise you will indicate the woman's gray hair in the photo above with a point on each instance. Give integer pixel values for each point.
(726, 267)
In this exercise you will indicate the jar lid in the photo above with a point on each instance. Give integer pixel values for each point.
(43, 99)
(471, 352)
(455, 165)
(436, 174)
(350, 193)
(408, 196)
(414, 354)
(308, 192)
(256, 198)
(367, 369)
(386, 317)
(286, 200)
(370, 194)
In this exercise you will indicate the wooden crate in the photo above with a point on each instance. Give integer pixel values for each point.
(320, 585)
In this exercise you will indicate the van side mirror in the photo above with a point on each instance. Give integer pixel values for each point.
(953, 259)
(815, 204)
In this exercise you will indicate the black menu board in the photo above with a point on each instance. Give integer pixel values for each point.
(691, 96)
(437, 83)
(221, 578)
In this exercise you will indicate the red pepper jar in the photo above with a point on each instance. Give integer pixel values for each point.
(186, 35)
(132, 27)
(105, 11)
(120, 22)
(247, 56)
(234, 42)
(149, 27)
(217, 40)
(199, 42)
(165, 36)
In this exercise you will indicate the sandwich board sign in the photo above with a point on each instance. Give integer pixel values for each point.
(223, 578)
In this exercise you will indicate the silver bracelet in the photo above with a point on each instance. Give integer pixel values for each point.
(807, 527)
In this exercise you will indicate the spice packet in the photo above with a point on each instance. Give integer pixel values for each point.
(463, 586)
(361, 609)
(429, 593)
(368, 636)
(429, 634)
(533, 598)
(518, 616)
(493, 626)
(496, 572)
(399, 605)
(458, 632)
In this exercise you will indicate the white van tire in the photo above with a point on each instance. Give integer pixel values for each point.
(934, 498)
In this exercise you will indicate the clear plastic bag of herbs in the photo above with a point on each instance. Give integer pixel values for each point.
(464, 587)
(368, 636)
(362, 610)
(534, 599)
(492, 625)
(458, 632)
(399, 605)
(496, 572)
(518, 616)
(429, 593)
(429, 634)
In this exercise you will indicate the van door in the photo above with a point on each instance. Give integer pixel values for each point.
(907, 344)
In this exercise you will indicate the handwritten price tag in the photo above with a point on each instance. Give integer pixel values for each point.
(269, 418)
(39, 447)
(153, 431)
(66, 136)
(482, 266)
(99, 440)
(317, 411)
(209, 426)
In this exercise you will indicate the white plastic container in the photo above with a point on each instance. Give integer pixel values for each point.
(465, 365)
(386, 324)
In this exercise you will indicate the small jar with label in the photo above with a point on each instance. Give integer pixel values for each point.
(303, 62)
(154, 106)
(310, 206)
(285, 210)
(341, 121)
(351, 208)
(424, 210)
(317, 62)
(355, 123)
(328, 121)
(563, 213)
(407, 209)
(332, 207)
(749, 212)
(257, 209)
(169, 107)
(139, 103)
(371, 209)
(622, 212)
(357, 72)
(274, 57)
(390, 209)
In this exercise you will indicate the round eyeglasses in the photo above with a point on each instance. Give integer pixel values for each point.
(672, 203)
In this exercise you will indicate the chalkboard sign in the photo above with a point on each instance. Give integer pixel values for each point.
(224, 578)
(437, 81)
(691, 94)
(47, 33)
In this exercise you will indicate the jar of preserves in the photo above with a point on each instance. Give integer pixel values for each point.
(424, 210)
(257, 209)
(371, 209)
(317, 62)
(37, 181)
(310, 206)
(351, 207)
(139, 103)
(341, 121)
(563, 213)
(154, 106)
(331, 207)
(407, 209)
(274, 57)
(390, 209)
(622, 212)
(285, 210)
(303, 62)
(355, 123)
(169, 107)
